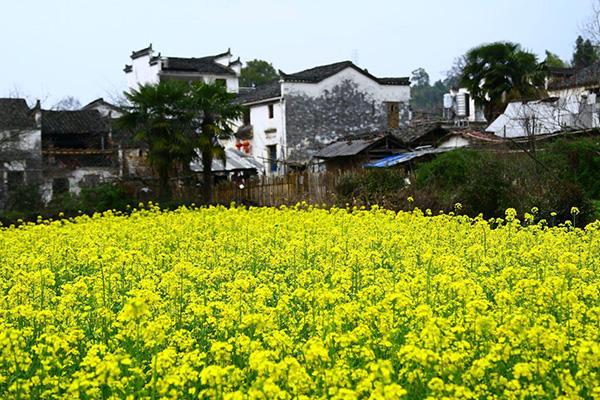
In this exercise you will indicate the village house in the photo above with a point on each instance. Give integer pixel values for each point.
(573, 104)
(57, 151)
(148, 68)
(20, 147)
(292, 118)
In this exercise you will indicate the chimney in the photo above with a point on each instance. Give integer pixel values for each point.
(37, 113)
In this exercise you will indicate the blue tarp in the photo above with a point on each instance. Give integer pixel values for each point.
(403, 157)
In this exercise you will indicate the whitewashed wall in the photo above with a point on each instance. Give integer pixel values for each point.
(376, 91)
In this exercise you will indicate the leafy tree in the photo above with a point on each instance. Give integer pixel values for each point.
(257, 72)
(68, 103)
(426, 98)
(454, 74)
(585, 53)
(498, 72)
(420, 77)
(159, 115)
(215, 110)
(554, 61)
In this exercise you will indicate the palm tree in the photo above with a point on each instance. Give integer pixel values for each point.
(497, 72)
(215, 111)
(159, 115)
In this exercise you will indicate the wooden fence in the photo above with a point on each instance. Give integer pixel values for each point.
(314, 188)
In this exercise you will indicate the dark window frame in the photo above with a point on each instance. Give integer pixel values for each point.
(272, 150)
(12, 183)
(271, 108)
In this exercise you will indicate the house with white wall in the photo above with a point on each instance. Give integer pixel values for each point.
(573, 104)
(57, 151)
(148, 67)
(20, 147)
(290, 119)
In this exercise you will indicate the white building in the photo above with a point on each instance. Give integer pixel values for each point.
(573, 104)
(147, 68)
(292, 118)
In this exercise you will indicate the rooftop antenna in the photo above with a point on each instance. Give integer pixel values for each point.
(355, 57)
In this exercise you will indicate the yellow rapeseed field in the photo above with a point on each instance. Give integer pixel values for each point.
(298, 303)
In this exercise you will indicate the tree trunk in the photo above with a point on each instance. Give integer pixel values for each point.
(163, 185)
(207, 178)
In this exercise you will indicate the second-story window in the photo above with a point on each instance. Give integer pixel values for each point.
(271, 111)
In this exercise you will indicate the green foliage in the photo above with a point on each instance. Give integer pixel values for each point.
(25, 203)
(175, 119)
(473, 178)
(585, 53)
(577, 161)
(370, 185)
(554, 61)
(497, 72)
(257, 72)
(160, 116)
(216, 109)
(425, 97)
(24, 198)
(490, 182)
(100, 198)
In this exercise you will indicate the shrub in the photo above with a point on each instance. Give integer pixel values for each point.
(370, 186)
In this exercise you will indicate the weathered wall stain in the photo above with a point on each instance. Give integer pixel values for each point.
(343, 111)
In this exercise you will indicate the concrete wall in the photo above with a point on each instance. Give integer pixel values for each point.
(454, 142)
(342, 105)
(76, 178)
(268, 131)
(20, 151)
(142, 72)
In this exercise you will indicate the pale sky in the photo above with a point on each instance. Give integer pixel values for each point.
(50, 49)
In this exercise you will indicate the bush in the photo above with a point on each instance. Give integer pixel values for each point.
(476, 179)
(100, 198)
(490, 182)
(370, 186)
(577, 161)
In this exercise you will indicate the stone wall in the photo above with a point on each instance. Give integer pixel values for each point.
(340, 111)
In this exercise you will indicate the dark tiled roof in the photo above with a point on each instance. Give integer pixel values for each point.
(100, 101)
(403, 81)
(74, 122)
(15, 114)
(142, 52)
(205, 65)
(354, 145)
(263, 92)
(588, 76)
(317, 74)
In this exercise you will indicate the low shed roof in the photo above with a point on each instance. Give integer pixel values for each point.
(235, 161)
(404, 157)
(353, 146)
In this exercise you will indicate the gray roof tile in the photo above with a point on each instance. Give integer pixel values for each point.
(15, 114)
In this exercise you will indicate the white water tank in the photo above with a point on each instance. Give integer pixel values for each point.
(462, 104)
(448, 100)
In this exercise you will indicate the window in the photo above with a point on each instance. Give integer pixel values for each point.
(60, 185)
(14, 179)
(221, 82)
(271, 111)
(90, 180)
(272, 149)
(247, 116)
(393, 115)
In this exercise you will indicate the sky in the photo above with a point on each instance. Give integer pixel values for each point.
(54, 49)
